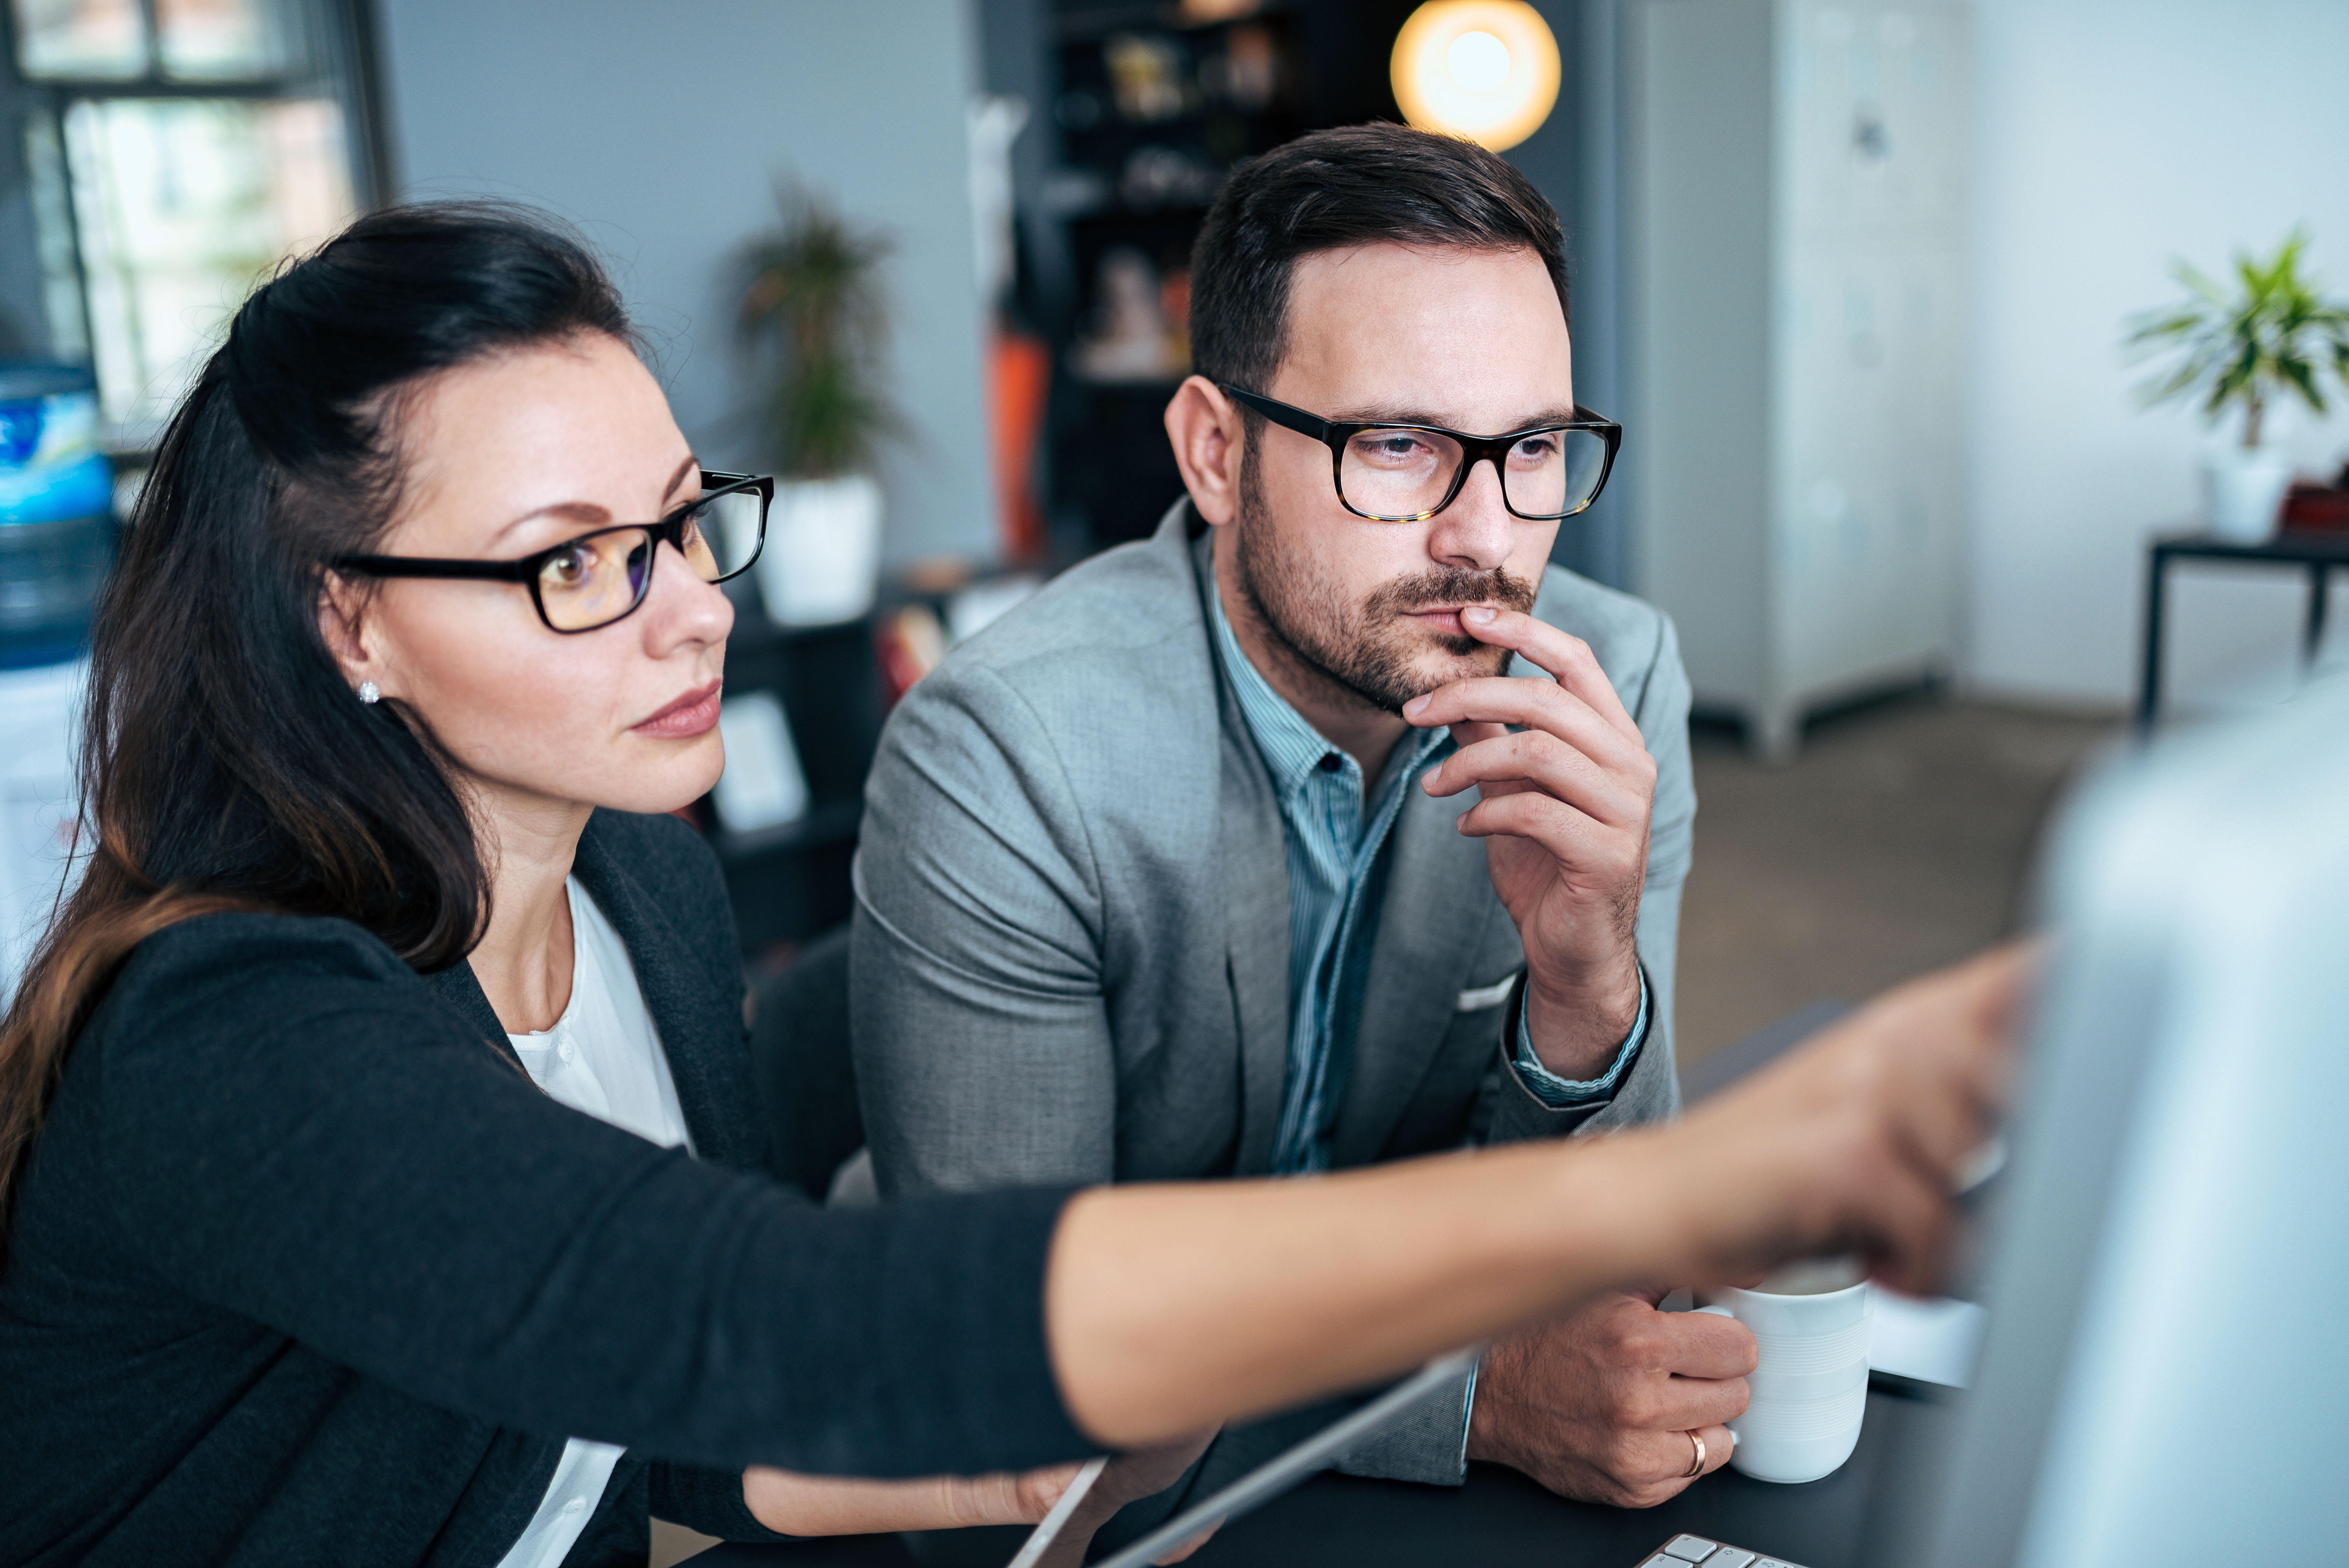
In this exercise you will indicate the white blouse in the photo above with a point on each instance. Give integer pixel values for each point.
(603, 1057)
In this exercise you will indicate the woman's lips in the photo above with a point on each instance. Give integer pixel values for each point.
(693, 713)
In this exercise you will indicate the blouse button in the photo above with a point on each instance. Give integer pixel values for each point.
(575, 1505)
(567, 1051)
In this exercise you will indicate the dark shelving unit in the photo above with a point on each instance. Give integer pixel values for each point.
(1134, 171)
(790, 881)
(822, 826)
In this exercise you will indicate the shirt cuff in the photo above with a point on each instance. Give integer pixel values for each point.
(1559, 1092)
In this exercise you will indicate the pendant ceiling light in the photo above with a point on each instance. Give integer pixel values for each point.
(1484, 69)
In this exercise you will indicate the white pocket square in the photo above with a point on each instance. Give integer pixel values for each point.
(1478, 997)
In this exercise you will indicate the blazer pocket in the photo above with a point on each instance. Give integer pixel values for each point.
(1477, 998)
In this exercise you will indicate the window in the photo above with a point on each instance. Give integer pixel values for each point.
(176, 152)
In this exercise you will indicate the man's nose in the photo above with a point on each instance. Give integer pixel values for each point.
(1476, 533)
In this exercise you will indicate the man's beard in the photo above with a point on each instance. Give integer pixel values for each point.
(1366, 651)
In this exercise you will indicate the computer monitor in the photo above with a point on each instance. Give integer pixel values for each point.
(2164, 1377)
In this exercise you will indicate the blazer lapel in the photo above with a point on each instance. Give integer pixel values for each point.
(1256, 912)
(1255, 863)
(701, 1027)
(700, 1023)
(456, 986)
(1431, 921)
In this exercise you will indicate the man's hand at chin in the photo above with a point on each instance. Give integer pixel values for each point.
(1565, 787)
(1599, 1406)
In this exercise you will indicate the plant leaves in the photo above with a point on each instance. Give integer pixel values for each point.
(2242, 347)
(812, 315)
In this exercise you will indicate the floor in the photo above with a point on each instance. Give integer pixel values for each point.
(1900, 839)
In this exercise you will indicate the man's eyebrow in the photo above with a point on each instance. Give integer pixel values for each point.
(589, 511)
(1398, 414)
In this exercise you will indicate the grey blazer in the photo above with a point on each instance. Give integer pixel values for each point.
(1071, 959)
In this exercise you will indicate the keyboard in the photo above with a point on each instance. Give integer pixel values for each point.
(1686, 1551)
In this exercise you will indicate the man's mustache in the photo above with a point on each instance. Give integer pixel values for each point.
(1453, 587)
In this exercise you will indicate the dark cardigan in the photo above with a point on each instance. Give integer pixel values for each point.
(304, 1269)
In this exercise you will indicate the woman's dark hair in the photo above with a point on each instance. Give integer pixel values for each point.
(1358, 185)
(225, 762)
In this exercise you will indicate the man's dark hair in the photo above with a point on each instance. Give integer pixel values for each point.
(1358, 185)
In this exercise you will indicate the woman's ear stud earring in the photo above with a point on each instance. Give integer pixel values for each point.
(367, 693)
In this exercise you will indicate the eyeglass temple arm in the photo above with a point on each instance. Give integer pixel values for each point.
(1280, 413)
(427, 566)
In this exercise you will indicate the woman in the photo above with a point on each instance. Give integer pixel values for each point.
(380, 1175)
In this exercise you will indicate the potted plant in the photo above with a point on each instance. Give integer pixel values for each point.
(2272, 336)
(814, 321)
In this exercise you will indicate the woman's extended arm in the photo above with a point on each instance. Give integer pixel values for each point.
(280, 1123)
(1198, 1303)
(1176, 1307)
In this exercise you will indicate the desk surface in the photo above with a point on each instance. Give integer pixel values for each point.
(1498, 1518)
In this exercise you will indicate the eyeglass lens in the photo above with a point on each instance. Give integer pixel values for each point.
(1403, 473)
(600, 577)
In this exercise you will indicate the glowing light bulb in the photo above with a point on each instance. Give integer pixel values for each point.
(1478, 61)
(1484, 69)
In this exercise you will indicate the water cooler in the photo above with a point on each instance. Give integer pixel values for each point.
(57, 540)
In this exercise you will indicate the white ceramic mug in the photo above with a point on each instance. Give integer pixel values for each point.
(1809, 1391)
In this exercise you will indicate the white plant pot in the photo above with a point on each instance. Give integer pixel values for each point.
(823, 560)
(2246, 488)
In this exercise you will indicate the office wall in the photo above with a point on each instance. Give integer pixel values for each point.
(1575, 159)
(2112, 136)
(660, 130)
(1571, 159)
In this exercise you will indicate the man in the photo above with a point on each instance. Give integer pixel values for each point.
(1236, 852)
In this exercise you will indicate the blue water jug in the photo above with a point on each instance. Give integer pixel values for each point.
(56, 512)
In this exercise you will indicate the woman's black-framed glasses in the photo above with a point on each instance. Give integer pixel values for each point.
(1391, 471)
(602, 576)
